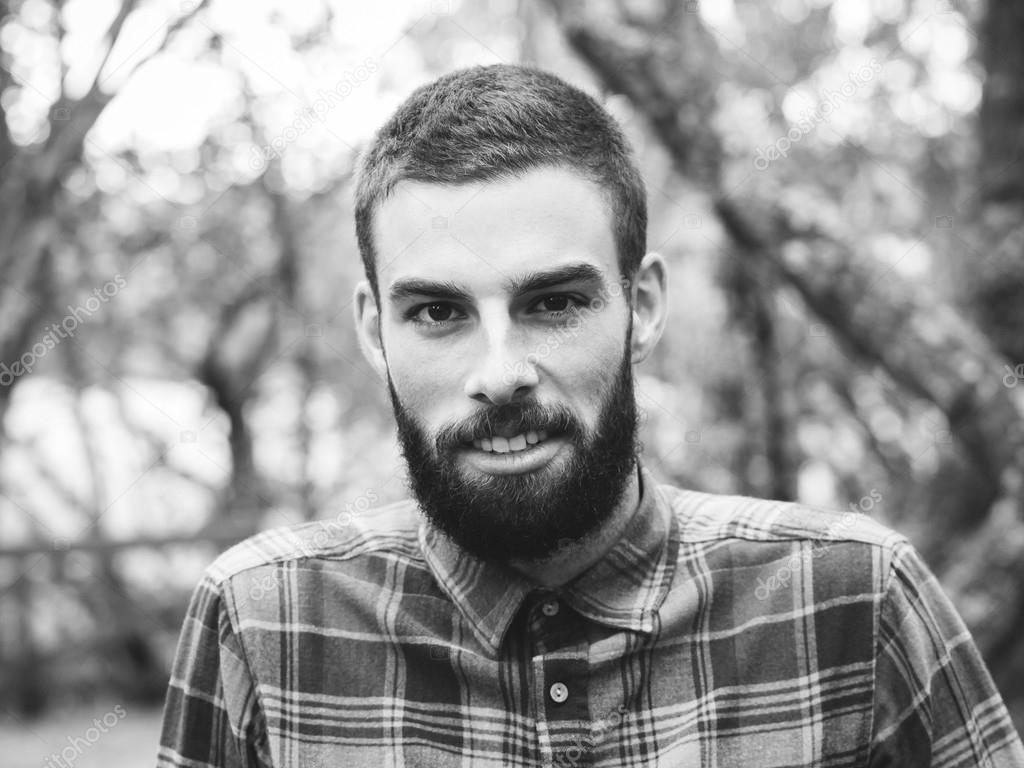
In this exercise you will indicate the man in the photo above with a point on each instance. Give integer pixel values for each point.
(543, 600)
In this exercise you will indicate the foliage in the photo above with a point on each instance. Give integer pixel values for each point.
(838, 329)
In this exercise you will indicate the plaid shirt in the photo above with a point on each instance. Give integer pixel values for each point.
(719, 631)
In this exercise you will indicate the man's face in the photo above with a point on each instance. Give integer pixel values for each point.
(505, 334)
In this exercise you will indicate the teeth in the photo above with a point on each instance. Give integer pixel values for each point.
(499, 444)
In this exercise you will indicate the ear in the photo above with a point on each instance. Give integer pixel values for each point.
(650, 305)
(367, 317)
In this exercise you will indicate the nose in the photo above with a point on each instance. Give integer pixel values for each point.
(506, 369)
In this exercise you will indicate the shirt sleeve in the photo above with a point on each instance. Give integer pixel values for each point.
(935, 702)
(212, 717)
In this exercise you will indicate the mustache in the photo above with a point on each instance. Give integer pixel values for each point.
(511, 418)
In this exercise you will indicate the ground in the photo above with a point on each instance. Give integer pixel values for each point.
(126, 736)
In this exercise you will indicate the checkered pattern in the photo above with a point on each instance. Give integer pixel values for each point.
(720, 631)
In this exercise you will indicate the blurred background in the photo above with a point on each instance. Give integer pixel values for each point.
(837, 186)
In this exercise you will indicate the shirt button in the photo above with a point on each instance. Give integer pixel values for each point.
(558, 692)
(549, 607)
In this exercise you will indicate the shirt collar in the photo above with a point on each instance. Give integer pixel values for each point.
(624, 589)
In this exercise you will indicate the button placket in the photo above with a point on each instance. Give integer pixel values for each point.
(560, 651)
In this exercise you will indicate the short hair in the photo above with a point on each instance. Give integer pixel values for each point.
(498, 122)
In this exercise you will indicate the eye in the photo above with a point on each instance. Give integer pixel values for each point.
(558, 304)
(434, 314)
(438, 312)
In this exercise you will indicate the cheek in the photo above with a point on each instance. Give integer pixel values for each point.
(415, 386)
(585, 371)
(425, 383)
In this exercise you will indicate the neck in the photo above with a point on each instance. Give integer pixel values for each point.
(566, 564)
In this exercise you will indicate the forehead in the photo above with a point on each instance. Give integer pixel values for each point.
(484, 235)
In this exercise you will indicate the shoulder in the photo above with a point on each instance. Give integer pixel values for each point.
(705, 517)
(389, 530)
(762, 565)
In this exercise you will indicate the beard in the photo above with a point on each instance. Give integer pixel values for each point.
(526, 516)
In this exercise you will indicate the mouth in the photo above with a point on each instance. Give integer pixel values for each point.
(519, 454)
(514, 444)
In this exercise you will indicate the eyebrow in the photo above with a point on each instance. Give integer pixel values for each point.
(534, 281)
(569, 273)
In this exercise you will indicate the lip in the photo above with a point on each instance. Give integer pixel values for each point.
(533, 458)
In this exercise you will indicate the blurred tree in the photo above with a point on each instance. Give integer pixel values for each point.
(845, 301)
(668, 61)
(31, 221)
(995, 292)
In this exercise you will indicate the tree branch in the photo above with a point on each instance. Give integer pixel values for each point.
(667, 83)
